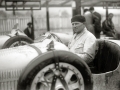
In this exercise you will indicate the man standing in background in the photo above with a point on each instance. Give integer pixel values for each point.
(96, 22)
(28, 31)
(89, 21)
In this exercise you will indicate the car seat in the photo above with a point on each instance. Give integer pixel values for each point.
(107, 57)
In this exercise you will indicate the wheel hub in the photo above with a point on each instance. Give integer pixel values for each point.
(68, 78)
(57, 72)
(59, 87)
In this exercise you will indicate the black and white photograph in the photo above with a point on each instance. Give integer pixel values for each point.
(59, 44)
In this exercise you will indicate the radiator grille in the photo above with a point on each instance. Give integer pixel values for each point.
(9, 79)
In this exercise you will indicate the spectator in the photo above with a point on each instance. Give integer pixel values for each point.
(89, 21)
(83, 42)
(96, 22)
(108, 27)
(85, 10)
(28, 31)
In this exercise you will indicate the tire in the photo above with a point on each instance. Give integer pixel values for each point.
(46, 60)
(16, 41)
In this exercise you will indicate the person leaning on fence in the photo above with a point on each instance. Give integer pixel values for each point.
(108, 26)
(29, 30)
(83, 42)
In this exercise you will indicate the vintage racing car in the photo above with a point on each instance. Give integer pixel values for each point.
(15, 38)
(48, 65)
(18, 38)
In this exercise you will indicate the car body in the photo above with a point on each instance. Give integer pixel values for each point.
(22, 67)
(18, 38)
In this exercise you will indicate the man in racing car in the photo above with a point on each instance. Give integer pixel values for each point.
(83, 42)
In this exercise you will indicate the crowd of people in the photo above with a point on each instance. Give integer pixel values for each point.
(95, 26)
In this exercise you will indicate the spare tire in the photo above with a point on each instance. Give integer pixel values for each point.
(39, 73)
(17, 41)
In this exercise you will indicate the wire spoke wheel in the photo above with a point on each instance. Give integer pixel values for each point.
(45, 78)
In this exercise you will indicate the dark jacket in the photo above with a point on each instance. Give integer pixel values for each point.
(29, 34)
(108, 28)
(97, 22)
(107, 25)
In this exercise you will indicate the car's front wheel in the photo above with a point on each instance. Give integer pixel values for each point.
(57, 70)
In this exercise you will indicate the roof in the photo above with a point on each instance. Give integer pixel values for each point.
(51, 3)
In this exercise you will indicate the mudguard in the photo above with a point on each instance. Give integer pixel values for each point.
(18, 38)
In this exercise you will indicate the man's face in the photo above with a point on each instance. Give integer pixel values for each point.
(78, 27)
(110, 16)
(30, 25)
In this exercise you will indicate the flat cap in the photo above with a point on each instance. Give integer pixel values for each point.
(91, 8)
(29, 23)
(78, 18)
